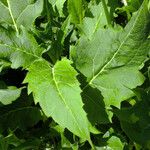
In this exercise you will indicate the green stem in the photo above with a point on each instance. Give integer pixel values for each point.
(106, 12)
(92, 146)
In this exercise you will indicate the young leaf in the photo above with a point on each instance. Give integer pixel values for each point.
(76, 11)
(4, 64)
(58, 93)
(111, 59)
(59, 4)
(91, 24)
(21, 50)
(8, 95)
(22, 12)
(113, 143)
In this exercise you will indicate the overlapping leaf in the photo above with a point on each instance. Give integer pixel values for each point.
(111, 59)
(94, 106)
(113, 143)
(8, 94)
(58, 93)
(22, 12)
(76, 11)
(21, 50)
(59, 4)
(19, 114)
(97, 19)
(24, 117)
(65, 143)
(135, 121)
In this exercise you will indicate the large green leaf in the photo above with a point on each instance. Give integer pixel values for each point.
(22, 12)
(58, 93)
(21, 50)
(111, 59)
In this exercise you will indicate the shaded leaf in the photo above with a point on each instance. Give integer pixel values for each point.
(20, 118)
(65, 143)
(32, 143)
(94, 106)
(135, 121)
(10, 139)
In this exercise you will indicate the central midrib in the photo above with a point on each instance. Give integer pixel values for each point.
(10, 11)
(61, 96)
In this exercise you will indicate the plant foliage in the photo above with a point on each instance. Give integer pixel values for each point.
(74, 74)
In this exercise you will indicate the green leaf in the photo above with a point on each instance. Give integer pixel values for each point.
(94, 106)
(10, 139)
(91, 24)
(4, 64)
(58, 93)
(135, 121)
(59, 4)
(111, 59)
(113, 143)
(64, 28)
(24, 117)
(65, 143)
(76, 11)
(21, 50)
(22, 12)
(8, 95)
(113, 4)
(149, 73)
(32, 143)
